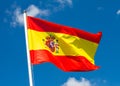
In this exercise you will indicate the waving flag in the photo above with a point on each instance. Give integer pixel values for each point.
(68, 48)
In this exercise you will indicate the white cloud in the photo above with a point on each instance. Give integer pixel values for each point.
(73, 82)
(61, 4)
(64, 2)
(17, 17)
(32, 10)
(69, 2)
(118, 12)
(84, 82)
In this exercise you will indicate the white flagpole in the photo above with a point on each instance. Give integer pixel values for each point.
(27, 50)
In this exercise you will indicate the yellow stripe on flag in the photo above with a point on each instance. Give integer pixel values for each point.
(68, 45)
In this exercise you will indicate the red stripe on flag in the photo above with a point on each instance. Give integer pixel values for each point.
(45, 26)
(66, 63)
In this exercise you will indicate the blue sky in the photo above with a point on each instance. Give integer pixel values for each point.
(89, 15)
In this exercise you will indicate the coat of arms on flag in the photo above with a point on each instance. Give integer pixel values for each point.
(52, 43)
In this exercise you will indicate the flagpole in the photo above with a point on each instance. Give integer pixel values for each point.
(27, 50)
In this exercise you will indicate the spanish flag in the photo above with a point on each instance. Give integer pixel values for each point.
(68, 48)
